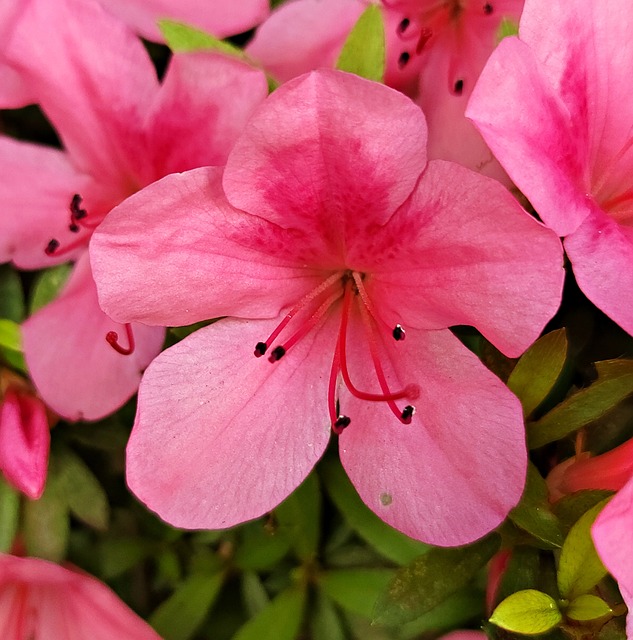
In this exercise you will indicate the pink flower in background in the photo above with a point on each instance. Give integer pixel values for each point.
(219, 17)
(326, 240)
(121, 130)
(435, 53)
(40, 600)
(554, 105)
(24, 436)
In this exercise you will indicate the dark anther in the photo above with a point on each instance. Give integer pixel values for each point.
(342, 422)
(75, 207)
(487, 8)
(51, 247)
(260, 349)
(73, 227)
(403, 59)
(277, 354)
(459, 87)
(407, 414)
(404, 25)
(398, 332)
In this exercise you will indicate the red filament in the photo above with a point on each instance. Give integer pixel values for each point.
(112, 338)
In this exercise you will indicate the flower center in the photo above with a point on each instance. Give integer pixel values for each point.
(307, 313)
(78, 222)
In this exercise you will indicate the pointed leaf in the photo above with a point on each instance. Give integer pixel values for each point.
(529, 612)
(183, 38)
(325, 622)
(254, 593)
(10, 337)
(118, 555)
(579, 567)
(587, 607)
(430, 579)
(364, 50)
(11, 294)
(614, 383)
(48, 285)
(9, 515)
(180, 616)
(538, 370)
(259, 548)
(356, 590)
(570, 508)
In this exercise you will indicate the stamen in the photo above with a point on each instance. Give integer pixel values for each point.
(262, 347)
(75, 208)
(458, 87)
(53, 247)
(487, 8)
(277, 354)
(403, 26)
(398, 332)
(331, 393)
(342, 422)
(112, 338)
(425, 36)
(407, 414)
(403, 59)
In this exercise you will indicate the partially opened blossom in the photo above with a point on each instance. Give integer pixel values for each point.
(326, 240)
(219, 17)
(121, 130)
(40, 600)
(554, 106)
(24, 435)
(435, 53)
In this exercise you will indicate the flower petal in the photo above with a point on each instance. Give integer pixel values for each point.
(547, 162)
(303, 35)
(75, 370)
(202, 106)
(451, 475)
(218, 17)
(467, 254)
(24, 442)
(182, 230)
(232, 434)
(330, 154)
(601, 253)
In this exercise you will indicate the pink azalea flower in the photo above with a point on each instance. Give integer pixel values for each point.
(325, 239)
(554, 106)
(435, 52)
(40, 600)
(218, 17)
(24, 436)
(121, 130)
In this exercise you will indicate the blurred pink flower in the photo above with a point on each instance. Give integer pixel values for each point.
(40, 600)
(325, 239)
(121, 130)
(554, 106)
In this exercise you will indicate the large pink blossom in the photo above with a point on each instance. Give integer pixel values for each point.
(121, 129)
(326, 240)
(554, 106)
(40, 600)
(435, 53)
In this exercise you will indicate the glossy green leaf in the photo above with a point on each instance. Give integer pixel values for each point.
(538, 370)
(9, 515)
(614, 383)
(325, 622)
(364, 50)
(180, 616)
(587, 607)
(299, 518)
(356, 590)
(430, 579)
(280, 620)
(579, 567)
(390, 543)
(259, 547)
(10, 337)
(183, 38)
(529, 612)
(11, 294)
(48, 285)
(533, 514)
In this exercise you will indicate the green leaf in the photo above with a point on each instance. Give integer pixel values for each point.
(48, 285)
(430, 579)
(280, 620)
(392, 544)
(356, 590)
(579, 567)
(538, 370)
(180, 616)
(364, 50)
(570, 508)
(529, 612)
(587, 607)
(118, 555)
(522, 571)
(9, 515)
(533, 513)
(507, 28)
(259, 548)
(84, 495)
(254, 593)
(325, 622)
(10, 337)
(11, 294)
(181, 37)
(299, 518)
(614, 383)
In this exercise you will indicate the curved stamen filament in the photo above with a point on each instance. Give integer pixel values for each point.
(338, 422)
(53, 248)
(397, 332)
(262, 347)
(112, 338)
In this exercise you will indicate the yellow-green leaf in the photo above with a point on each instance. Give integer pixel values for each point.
(181, 37)
(364, 50)
(587, 607)
(529, 612)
